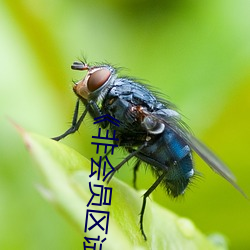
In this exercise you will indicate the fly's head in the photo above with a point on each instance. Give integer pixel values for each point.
(93, 84)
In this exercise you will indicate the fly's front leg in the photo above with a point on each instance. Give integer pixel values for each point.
(75, 123)
(96, 112)
(91, 107)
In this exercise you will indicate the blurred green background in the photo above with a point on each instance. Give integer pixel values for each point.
(195, 52)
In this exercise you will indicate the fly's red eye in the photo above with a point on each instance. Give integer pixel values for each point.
(97, 79)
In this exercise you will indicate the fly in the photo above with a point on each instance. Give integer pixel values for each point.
(151, 130)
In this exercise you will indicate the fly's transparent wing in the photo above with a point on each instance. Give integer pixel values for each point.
(210, 158)
(175, 124)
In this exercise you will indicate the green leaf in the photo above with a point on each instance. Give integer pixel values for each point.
(66, 177)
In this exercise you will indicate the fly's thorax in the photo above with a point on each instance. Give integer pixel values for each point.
(95, 84)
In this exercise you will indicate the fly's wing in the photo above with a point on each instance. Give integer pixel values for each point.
(175, 124)
(212, 160)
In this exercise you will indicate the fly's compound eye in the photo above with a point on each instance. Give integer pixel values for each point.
(97, 79)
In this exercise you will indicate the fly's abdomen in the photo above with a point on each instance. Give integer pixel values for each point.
(178, 176)
(180, 166)
(172, 156)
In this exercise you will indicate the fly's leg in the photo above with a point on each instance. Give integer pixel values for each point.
(136, 167)
(125, 160)
(95, 112)
(149, 191)
(107, 154)
(75, 123)
(145, 196)
(91, 107)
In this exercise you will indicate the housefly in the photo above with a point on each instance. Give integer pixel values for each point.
(151, 130)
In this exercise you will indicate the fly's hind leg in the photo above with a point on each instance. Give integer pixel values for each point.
(144, 201)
